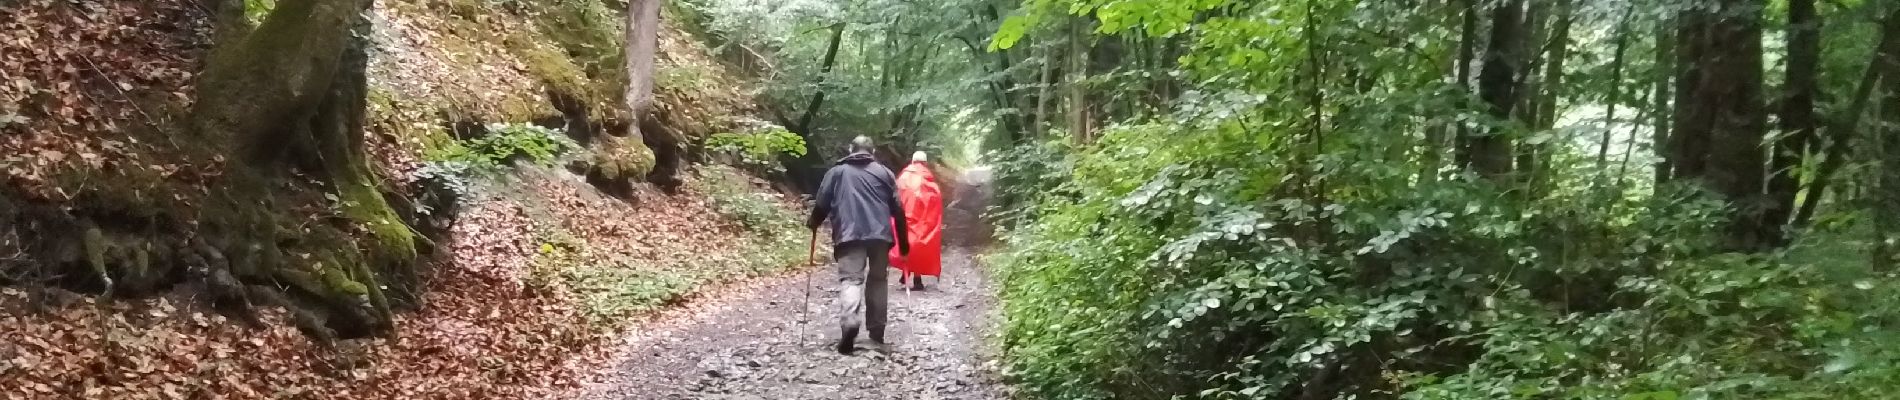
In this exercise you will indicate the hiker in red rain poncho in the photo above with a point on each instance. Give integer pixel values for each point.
(917, 191)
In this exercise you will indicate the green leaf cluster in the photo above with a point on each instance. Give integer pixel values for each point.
(760, 149)
(502, 145)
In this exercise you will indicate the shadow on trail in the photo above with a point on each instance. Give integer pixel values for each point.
(753, 344)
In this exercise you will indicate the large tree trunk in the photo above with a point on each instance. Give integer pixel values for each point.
(1489, 150)
(291, 94)
(1718, 141)
(1798, 122)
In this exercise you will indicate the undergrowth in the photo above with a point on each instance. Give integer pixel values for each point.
(504, 145)
(1171, 263)
(759, 150)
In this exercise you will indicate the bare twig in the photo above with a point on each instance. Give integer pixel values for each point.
(13, 259)
(149, 121)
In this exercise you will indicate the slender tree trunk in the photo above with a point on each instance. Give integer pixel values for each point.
(1490, 150)
(1543, 101)
(1664, 73)
(1797, 117)
(1885, 199)
(642, 33)
(1077, 58)
(1554, 71)
(1530, 71)
(1623, 165)
(643, 39)
(1840, 134)
(1044, 81)
(1616, 90)
(1467, 54)
(824, 71)
(803, 169)
(1013, 123)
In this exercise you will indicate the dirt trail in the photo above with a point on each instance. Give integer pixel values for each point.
(747, 343)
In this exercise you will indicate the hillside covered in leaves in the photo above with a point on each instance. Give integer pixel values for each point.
(359, 199)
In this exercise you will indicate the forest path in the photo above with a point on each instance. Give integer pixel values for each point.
(754, 343)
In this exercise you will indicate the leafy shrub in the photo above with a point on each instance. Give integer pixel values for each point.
(1026, 173)
(1180, 262)
(441, 182)
(503, 145)
(759, 150)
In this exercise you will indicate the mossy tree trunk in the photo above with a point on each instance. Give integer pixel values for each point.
(290, 95)
(642, 45)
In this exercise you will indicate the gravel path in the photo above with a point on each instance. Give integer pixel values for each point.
(754, 343)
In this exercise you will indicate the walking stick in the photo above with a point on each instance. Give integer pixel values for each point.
(804, 308)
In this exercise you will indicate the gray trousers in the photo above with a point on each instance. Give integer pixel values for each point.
(858, 263)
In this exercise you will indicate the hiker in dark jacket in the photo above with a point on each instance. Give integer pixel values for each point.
(859, 197)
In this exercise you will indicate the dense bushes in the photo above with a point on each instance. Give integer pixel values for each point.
(1174, 262)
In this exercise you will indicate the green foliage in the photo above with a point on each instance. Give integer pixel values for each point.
(902, 73)
(1179, 264)
(504, 144)
(759, 150)
(1025, 175)
(1261, 241)
(256, 10)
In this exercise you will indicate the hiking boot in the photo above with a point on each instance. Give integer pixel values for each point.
(847, 343)
(917, 284)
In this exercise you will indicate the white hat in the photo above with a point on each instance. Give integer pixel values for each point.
(919, 157)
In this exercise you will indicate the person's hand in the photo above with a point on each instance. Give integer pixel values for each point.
(903, 249)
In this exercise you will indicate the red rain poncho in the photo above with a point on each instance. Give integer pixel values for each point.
(923, 205)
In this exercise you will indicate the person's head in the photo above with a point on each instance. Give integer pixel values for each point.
(919, 156)
(862, 144)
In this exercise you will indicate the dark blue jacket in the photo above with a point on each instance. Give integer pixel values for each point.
(859, 197)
